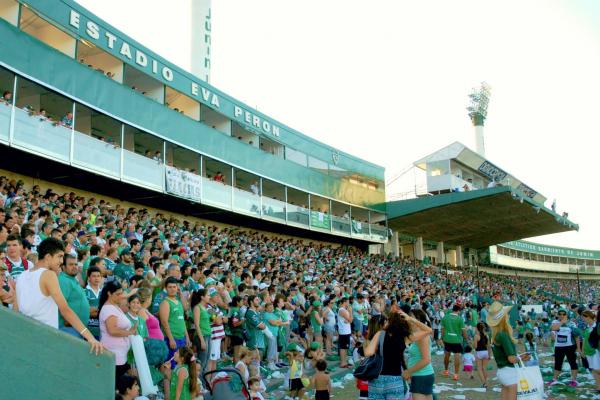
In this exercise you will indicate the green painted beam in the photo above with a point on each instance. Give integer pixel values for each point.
(475, 219)
(40, 362)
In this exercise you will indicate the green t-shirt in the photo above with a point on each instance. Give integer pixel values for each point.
(124, 272)
(356, 310)
(234, 317)
(75, 297)
(314, 323)
(453, 326)
(110, 264)
(84, 268)
(156, 300)
(474, 318)
(94, 301)
(255, 335)
(587, 349)
(185, 392)
(267, 316)
(414, 356)
(236, 281)
(176, 318)
(503, 347)
(142, 328)
(204, 321)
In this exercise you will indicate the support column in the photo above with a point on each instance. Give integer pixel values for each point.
(460, 257)
(419, 252)
(392, 245)
(441, 256)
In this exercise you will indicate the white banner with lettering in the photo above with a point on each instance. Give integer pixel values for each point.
(183, 184)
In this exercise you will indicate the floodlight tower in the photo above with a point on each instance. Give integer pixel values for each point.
(479, 100)
(201, 27)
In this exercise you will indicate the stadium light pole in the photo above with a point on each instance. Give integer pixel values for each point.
(478, 106)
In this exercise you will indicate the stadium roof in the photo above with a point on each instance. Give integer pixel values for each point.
(476, 218)
(461, 153)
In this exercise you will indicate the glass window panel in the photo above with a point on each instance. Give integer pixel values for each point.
(7, 80)
(44, 31)
(296, 156)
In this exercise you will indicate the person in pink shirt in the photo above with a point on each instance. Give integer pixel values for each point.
(115, 327)
(156, 347)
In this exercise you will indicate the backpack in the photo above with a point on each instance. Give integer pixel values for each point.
(594, 337)
(9, 264)
(370, 368)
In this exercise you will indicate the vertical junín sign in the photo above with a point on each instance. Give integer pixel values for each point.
(201, 31)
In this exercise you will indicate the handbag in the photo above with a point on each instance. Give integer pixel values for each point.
(530, 384)
(370, 368)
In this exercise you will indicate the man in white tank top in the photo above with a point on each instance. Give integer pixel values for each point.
(39, 296)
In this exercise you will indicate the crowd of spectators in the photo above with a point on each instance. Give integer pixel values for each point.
(200, 294)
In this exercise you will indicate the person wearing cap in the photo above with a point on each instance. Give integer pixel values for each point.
(503, 347)
(567, 344)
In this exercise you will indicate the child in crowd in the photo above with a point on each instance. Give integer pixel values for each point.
(531, 348)
(184, 381)
(128, 388)
(255, 389)
(362, 386)
(321, 381)
(296, 371)
(312, 356)
(468, 359)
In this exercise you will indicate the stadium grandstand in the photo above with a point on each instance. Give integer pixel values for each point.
(141, 173)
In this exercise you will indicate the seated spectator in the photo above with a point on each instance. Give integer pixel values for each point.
(7, 97)
(67, 120)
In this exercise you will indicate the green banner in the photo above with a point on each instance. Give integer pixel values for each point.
(320, 220)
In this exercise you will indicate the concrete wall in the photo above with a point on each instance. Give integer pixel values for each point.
(40, 362)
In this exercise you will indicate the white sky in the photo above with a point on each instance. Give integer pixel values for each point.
(387, 80)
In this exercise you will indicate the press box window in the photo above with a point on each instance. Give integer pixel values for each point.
(41, 29)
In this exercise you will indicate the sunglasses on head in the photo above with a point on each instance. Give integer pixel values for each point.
(562, 313)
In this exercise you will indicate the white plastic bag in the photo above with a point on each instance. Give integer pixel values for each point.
(267, 332)
(530, 384)
(141, 364)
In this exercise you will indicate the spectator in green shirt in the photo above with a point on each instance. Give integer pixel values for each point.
(73, 294)
(503, 346)
(124, 269)
(254, 326)
(453, 333)
(92, 292)
(202, 324)
(236, 327)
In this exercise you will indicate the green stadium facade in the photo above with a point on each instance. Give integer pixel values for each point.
(93, 107)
